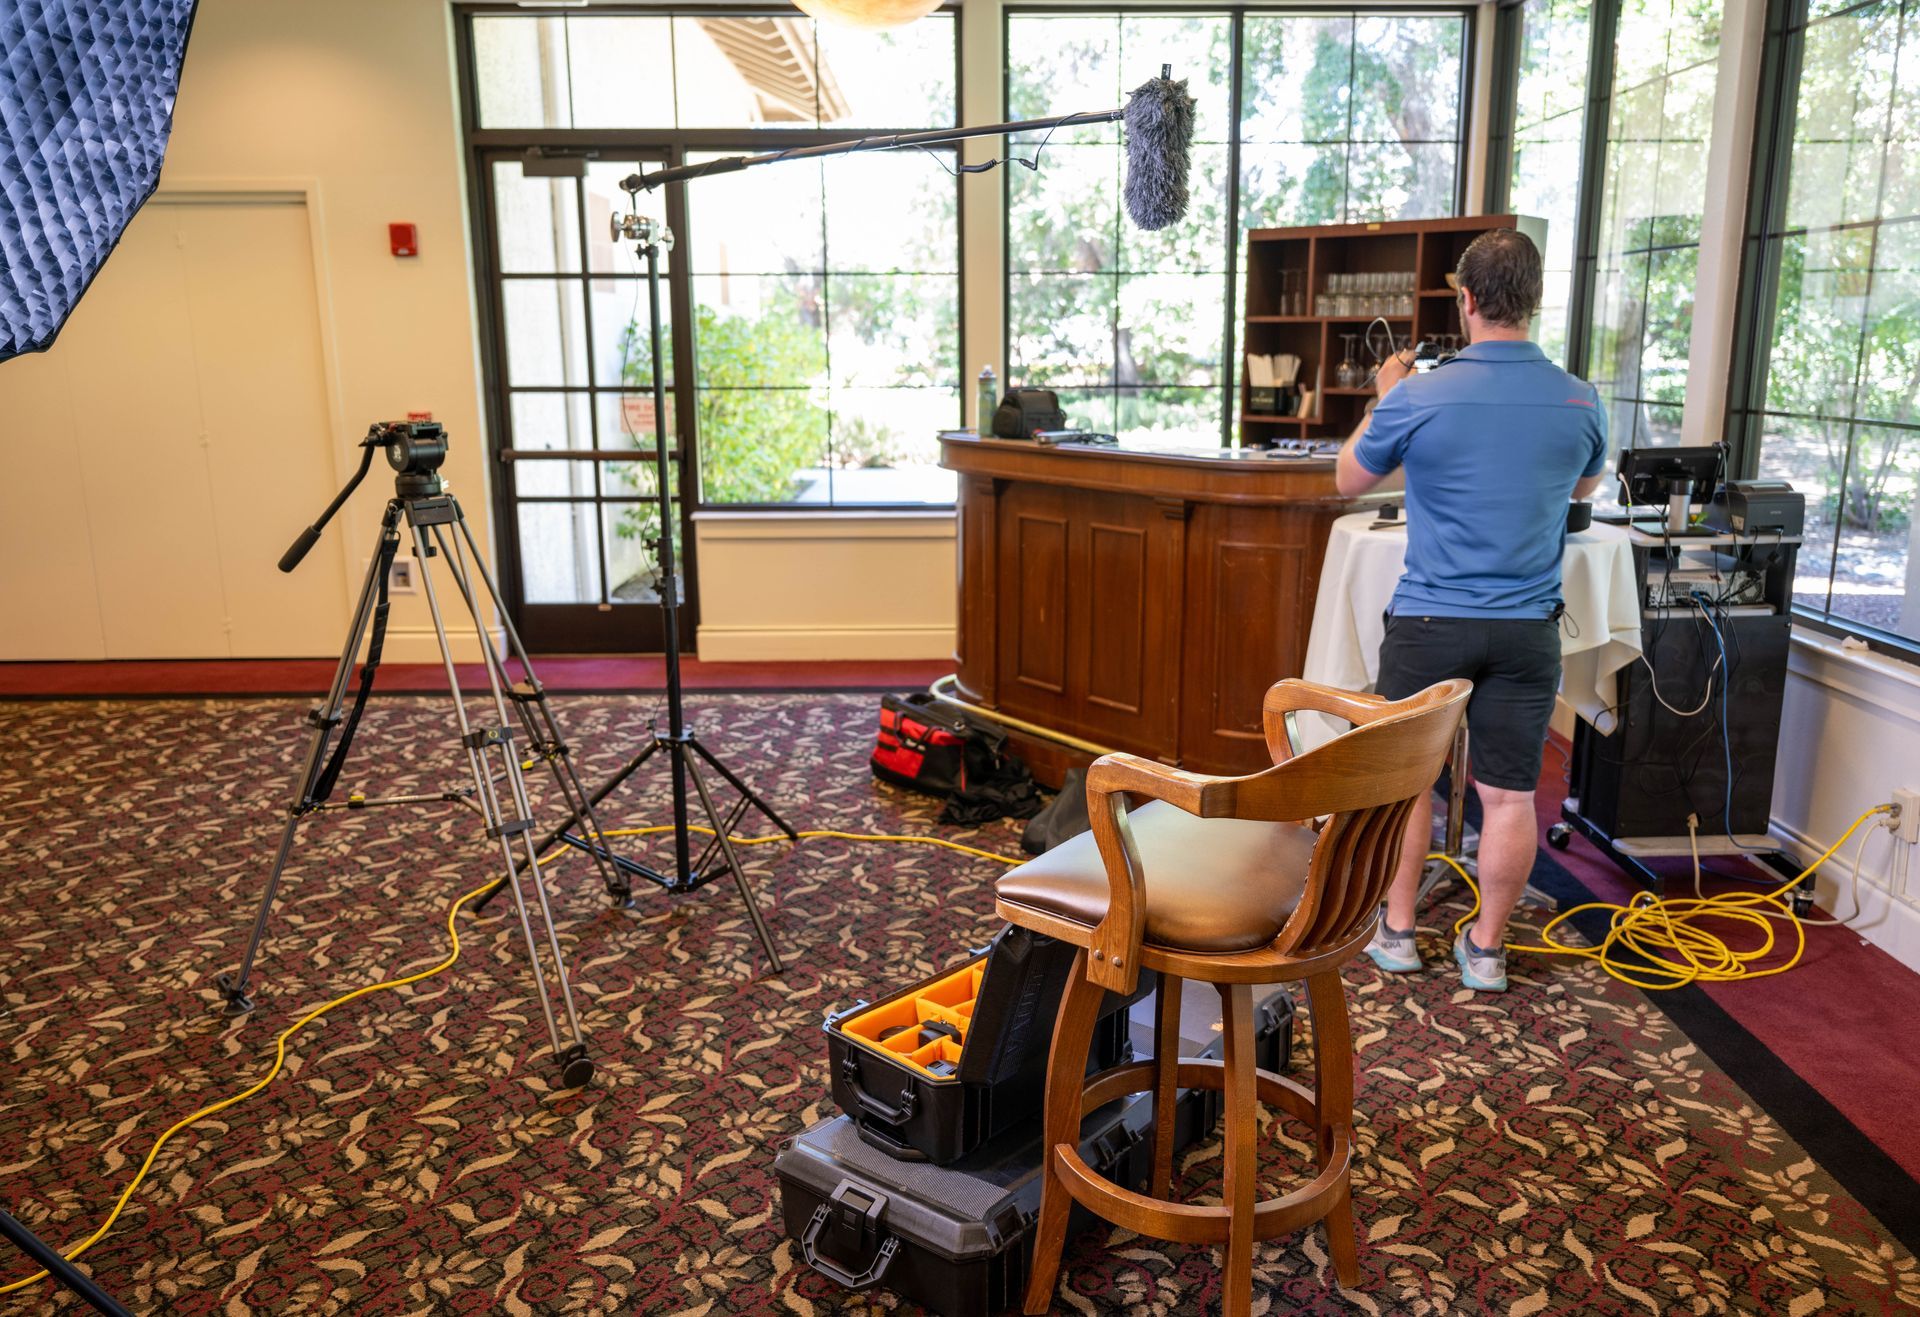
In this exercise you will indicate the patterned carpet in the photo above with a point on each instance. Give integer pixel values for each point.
(1563, 1148)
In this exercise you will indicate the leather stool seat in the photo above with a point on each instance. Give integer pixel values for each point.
(1214, 885)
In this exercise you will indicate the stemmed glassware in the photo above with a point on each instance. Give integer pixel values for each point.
(1350, 375)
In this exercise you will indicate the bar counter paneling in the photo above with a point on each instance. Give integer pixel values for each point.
(1141, 601)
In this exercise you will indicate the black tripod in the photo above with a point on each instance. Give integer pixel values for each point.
(678, 743)
(415, 450)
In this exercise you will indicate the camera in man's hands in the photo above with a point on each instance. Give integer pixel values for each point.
(1426, 355)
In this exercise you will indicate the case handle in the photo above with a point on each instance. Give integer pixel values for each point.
(871, 1105)
(873, 1138)
(855, 1220)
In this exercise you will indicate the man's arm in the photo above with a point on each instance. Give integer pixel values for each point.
(1351, 476)
(1584, 487)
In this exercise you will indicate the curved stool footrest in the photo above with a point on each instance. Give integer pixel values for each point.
(1184, 1223)
(1296, 1099)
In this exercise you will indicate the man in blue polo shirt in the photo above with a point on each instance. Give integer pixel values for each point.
(1493, 443)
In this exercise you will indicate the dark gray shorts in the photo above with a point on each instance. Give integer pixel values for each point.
(1514, 665)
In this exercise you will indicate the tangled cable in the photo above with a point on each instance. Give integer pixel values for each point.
(1669, 946)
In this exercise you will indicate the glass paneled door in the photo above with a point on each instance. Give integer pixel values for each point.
(573, 429)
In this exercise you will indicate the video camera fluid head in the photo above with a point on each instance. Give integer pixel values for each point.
(414, 449)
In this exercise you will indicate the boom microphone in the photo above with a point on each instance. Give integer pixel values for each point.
(1159, 133)
(1159, 123)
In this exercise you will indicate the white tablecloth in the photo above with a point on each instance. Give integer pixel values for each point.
(1599, 635)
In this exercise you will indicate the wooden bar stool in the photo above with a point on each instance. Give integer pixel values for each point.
(1226, 880)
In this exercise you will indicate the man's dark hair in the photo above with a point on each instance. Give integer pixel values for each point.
(1502, 267)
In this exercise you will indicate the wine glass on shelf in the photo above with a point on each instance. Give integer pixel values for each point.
(1349, 374)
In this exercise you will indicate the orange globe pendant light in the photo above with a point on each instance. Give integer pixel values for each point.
(872, 14)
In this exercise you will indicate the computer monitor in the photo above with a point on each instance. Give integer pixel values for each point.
(1673, 479)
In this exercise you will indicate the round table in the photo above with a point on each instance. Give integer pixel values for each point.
(1599, 635)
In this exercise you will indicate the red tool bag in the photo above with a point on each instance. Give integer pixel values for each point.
(929, 746)
(923, 745)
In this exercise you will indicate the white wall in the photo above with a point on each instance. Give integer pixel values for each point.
(825, 586)
(1850, 735)
(349, 105)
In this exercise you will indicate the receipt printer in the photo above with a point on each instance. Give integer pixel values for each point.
(1757, 507)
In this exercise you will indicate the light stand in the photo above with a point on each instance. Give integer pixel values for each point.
(679, 743)
(681, 746)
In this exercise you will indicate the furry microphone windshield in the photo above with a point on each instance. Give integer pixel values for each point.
(1159, 120)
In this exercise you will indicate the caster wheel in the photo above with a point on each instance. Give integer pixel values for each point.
(576, 1071)
(1559, 836)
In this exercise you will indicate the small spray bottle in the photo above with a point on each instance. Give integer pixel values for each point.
(987, 400)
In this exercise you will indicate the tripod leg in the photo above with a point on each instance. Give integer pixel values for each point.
(57, 1266)
(575, 1068)
(325, 720)
(599, 794)
(545, 730)
(746, 793)
(733, 863)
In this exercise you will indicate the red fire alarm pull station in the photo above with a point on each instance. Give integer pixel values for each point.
(401, 238)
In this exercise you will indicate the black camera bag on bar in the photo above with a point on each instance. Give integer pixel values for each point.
(1023, 411)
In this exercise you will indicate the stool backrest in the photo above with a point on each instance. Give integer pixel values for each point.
(1365, 781)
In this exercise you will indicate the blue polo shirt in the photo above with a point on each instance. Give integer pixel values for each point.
(1493, 442)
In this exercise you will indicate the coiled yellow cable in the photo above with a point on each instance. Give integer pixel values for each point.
(1674, 950)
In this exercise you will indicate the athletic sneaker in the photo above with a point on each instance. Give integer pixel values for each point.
(1480, 969)
(1393, 949)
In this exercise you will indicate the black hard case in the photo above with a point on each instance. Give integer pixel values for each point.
(957, 1238)
(953, 1238)
(1002, 1070)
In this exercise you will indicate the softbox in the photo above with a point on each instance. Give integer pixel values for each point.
(86, 103)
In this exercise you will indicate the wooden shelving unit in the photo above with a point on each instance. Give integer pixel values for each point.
(1430, 248)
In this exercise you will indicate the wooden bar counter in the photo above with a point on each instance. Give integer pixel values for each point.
(1139, 600)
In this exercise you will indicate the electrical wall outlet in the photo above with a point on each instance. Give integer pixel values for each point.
(1906, 824)
(403, 576)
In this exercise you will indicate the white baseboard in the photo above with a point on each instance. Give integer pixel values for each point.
(418, 644)
(1886, 919)
(763, 644)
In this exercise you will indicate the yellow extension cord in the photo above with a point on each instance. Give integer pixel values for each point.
(1647, 924)
(280, 1043)
(1667, 934)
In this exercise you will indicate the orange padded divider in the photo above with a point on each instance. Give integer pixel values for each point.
(947, 1000)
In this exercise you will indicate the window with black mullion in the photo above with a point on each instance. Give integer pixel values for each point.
(578, 379)
(1833, 397)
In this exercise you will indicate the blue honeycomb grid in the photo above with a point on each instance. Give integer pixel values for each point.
(86, 103)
